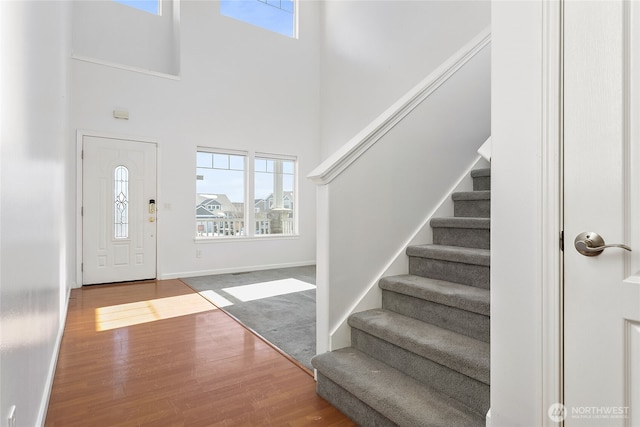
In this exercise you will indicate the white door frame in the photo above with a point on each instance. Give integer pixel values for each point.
(80, 134)
(552, 208)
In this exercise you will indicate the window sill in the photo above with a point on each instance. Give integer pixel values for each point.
(207, 240)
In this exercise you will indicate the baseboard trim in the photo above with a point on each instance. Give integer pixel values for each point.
(44, 403)
(245, 269)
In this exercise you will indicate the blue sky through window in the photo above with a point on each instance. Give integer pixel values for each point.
(151, 6)
(274, 15)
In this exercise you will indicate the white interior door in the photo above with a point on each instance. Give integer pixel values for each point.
(602, 195)
(118, 210)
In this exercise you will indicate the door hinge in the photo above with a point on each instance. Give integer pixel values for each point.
(81, 210)
(82, 267)
(562, 240)
(82, 154)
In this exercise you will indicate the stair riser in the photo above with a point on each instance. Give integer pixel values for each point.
(466, 390)
(472, 208)
(473, 325)
(466, 274)
(464, 237)
(482, 183)
(348, 404)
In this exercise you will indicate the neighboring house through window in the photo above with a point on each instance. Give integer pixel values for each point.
(220, 193)
(274, 187)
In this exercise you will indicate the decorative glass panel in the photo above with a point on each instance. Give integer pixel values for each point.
(121, 203)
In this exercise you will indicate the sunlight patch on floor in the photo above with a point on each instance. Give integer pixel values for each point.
(135, 313)
(268, 289)
(216, 298)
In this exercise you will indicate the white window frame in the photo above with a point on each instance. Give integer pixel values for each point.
(249, 208)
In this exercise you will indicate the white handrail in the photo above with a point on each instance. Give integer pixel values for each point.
(363, 140)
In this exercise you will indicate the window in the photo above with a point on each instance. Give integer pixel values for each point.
(274, 179)
(151, 6)
(121, 203)
(278, 16)
(222, 194)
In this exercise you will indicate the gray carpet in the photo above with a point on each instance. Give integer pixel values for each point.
(287, 321)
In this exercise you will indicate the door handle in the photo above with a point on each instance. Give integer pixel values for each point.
(590, 243)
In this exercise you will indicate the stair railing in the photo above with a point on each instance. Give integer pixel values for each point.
(375, 191)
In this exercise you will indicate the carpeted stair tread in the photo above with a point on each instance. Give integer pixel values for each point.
(455, 351)
(477, 173)
(461, 222)
(469, 298)
(471, 195)
(451, 253)
(403, 400)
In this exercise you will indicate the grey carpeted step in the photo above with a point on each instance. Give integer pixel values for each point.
(395, 398)
(467, 266)
(358, 411)
(481, 179)
(468, 298)
(475, 204)
(453, 364)
(455, 351)
(461, 231)
(471, 324)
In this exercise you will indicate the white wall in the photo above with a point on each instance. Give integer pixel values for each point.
(37, 187)
(102, 31)
(516, 215)
(373, 52)
(240, 87)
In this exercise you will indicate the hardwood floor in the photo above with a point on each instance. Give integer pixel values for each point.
(158, 354)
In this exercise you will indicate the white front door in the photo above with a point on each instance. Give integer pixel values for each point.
(602, 195)
(118, 210)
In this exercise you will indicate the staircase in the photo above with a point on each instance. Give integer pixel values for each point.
(423, 358)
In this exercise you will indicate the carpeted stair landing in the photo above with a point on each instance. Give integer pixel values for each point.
(423, 358)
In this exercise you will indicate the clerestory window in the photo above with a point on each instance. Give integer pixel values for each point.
(151, 6)
(279, 16)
